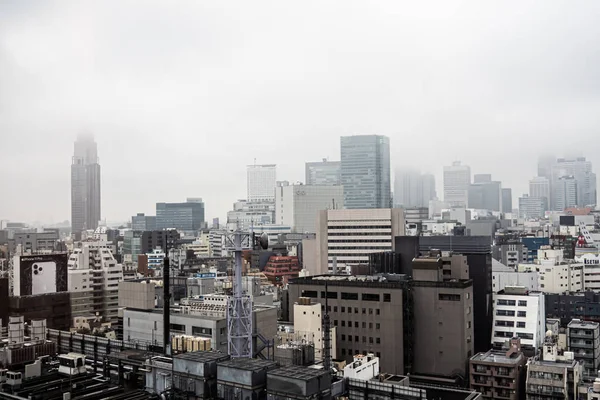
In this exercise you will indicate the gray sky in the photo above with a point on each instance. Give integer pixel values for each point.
(182, 95)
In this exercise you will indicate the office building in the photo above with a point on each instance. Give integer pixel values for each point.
(261, 181)
(85, 186)
(564, 193)
(347, 237)
(503, 276)
(365, 171)
(164, 240)
(485, 195)
(531, 207)
(132, 245)
(413, 189)
(443, 314)
(507, 200)
(539, 187)
(142, 222)
(499, 374)
(35, 242)
(583, 339)
(297, 206)
(477, 249)
(370, 317)
(519, 313)
(457, 179)
(554, 375)
(326, 173)
(185, 217)
(94, 274)
(573, 181)
(509, 251)
(544, 166)
(569, 306)
(246, 215)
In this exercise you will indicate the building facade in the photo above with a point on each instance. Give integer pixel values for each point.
(457, 179)
(247, 214)
(365, 171)
(85, 186)
(348, 237)
(573, 181)
(323, 173)
(262, 180)
(485, 196)
(507, 200)
(531, 207)
(413, 189)
(298, 205)
(186, 217)
(539, 187)
(583, 339)
(142, 222)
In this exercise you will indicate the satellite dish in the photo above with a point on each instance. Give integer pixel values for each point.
(264, 241)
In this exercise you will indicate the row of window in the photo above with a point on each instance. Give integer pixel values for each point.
(364, 324)
(511, 313)
(356, 352)
(387, 297)
(364, 310)
(505, 302)
(511, 324)
(364, 339)
(509, 335)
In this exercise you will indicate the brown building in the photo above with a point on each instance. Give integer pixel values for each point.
(499, 374)
(443, 315)
(371, 314)
(55, 308)
(280, 268)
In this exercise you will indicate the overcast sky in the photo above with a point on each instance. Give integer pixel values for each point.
(182, 95)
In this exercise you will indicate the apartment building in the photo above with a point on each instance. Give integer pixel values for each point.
(583, 339)
(519, 313)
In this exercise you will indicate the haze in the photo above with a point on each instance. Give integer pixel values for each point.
(181, 96)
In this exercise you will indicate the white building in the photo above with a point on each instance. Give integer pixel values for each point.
(364, 367)
(307, 326)
(519, 312)
(564, 193)
(262, 180)
(155, 259)
(298, 205)
(273, 231)
(457, 179)
(531, 207)
(539, 187)
(348, 237)
(216, 238)
(436, 227)
(94, 275)
(247, 214)
(591, 271)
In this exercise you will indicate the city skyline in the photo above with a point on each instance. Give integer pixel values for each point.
(214, 92)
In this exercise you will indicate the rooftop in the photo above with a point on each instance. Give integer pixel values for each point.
(297, 372)
(203, 356)
(394, 281)
(497, 356)
(577, 323)
(248, 364)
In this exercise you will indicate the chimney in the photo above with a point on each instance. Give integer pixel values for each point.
(514, 346)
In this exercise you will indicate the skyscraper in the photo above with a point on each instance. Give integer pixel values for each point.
(539, 188)
(413, 189)
(585, 180)
(85, 186)
(485, 194)
(506, 200)
(565, 191)
(262, 180)
(365, 171)
(323, 173)
(457, 179)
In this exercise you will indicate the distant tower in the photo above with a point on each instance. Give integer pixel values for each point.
(85, 186)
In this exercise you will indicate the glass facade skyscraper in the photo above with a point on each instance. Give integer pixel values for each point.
(365, 171)
(187, 217)
(85, 186)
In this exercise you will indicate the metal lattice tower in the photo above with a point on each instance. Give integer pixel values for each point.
(239, 305)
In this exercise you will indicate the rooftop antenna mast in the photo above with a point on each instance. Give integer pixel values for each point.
(326, 334)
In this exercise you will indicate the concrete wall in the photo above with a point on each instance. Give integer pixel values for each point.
(138, 295)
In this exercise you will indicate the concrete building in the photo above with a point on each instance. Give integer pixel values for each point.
(443, 314)
(370, 316)
(347, 237)
(137, 295)
(507, 205)
(413, 189)
(142, 222)
(457, 179)
(94, 274)
(155, 259)
(554, 375)
(325, 172)
(539, 187)
(160, 239)
(308, 326)
(519, 313)
(503, 276)
(486, 195)
(365, 171)
(556, 274)
(564, 193)
(298, 205)
(531, 207)
(85, 186)
(247, 214)
(35, 242)
(573, 181)
(261, 181)
(569, 306)
(583, 339)
(509, 251)
(185, 217)
(498, 374)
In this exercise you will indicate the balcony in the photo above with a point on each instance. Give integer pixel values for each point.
(505, 394)
(481, 370)
(579, 334)
(505, 372)
(478, 380)
(505, 384)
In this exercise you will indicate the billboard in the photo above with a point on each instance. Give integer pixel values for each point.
(40, 274)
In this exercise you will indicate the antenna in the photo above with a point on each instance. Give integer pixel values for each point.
(326, 334)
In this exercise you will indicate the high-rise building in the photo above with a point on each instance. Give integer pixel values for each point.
(506, 200)
(585, 180)
(365, 171)
(298, 205)
(262, 180)
(457, 179)
(539, 187)
(531, 207)
(323, 173)
(85, 186)
(485, 195)
(413, 189)
(544, 167)
(564, 193)
(141, 222)
(186, 217)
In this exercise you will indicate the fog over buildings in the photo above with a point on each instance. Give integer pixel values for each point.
(181, 97)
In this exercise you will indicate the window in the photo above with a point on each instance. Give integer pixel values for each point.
(364, 325)
(522, 303)
(330, 295)
(335, 322)
(370, 340)
(356, 338)
(355, 310)
(364, 339)
(378, 354)
(520, 324)
(448, 297)
(370, 297)
(309, 293)
(505, 302)
(349, 324)
(349, 338)
(356, 324)
(364, 310)
(370, 311)
(343, 352)
(349, 310)
(377, 325)
(343, 337)
(524, 335)
(521, 313)
(343, 323)
(378, 340)
(334, 308)
(343, 309)
(199, 331)
(370, 325)
(387, 297)
(377, 311)
(348, 296)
